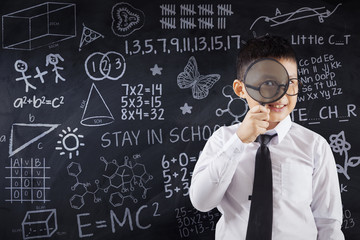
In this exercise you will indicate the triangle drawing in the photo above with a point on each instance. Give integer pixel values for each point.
(23, 134)
(88, 36)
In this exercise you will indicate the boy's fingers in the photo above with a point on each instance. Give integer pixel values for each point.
(259, 109)
(263, 116)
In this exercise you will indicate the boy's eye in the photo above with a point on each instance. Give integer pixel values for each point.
(269, 83)
(292, 81)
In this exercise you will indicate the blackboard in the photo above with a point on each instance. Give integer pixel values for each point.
(99, 136)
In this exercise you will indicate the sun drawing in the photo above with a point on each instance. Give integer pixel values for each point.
(69, 142)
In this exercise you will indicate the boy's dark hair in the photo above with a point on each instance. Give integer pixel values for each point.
(261, 47)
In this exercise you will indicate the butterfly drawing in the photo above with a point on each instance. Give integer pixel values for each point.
(199, 84)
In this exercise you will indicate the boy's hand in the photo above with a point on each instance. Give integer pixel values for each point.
(254, 124)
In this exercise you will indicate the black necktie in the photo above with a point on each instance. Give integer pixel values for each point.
(261, 210)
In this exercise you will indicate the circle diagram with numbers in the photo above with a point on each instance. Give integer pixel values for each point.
(99, 66)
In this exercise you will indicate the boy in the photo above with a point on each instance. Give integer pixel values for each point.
(305, 189)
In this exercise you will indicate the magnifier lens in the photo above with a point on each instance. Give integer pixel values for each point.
(266, 80)
(269, 89)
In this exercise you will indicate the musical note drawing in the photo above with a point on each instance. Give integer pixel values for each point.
(199, 84)
(301, 13)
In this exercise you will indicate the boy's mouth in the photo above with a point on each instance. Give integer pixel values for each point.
(277, 107)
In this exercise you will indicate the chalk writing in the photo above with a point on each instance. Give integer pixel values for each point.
(38, 102)
(139, 102)
(191, 222)
(348, 221)
(175, 176)
(110, 65)
(182, 45)
(328, 112)
(318, 76)
(127, 220)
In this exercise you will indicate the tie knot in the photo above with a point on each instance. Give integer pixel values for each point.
(264, 139)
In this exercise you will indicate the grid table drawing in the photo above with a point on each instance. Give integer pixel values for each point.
(28, 180)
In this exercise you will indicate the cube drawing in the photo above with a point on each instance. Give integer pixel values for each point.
(38, 26)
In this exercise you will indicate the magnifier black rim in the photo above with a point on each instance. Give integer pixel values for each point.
(262, 59)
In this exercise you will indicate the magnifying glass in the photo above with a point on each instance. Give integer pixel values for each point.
(266, 80)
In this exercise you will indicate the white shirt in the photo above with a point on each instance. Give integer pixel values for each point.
(306, 195)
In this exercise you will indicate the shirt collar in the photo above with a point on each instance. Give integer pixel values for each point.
(281, 129)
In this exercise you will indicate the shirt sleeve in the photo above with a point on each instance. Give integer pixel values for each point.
(214, 170)
(326, 205)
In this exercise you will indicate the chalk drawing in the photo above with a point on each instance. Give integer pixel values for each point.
(126, 19)
(28, 180)
(99, 66)
(124, 179)
(35, 130)
(39, 224)
(186, 109)
(299, 14)
(156, 70)
(191, 16)
(39, 26)
(53, 59)
(40, 74)
(96, 112)
(22, 67)
(70, 142)
(88, 36)
(237, 107)
(339, 145)
(199, 84)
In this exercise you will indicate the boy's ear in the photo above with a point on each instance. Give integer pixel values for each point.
(239, 88)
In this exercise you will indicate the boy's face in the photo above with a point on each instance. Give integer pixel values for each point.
(280, 109)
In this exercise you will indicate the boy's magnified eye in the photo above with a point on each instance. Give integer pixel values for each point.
(269, 83)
